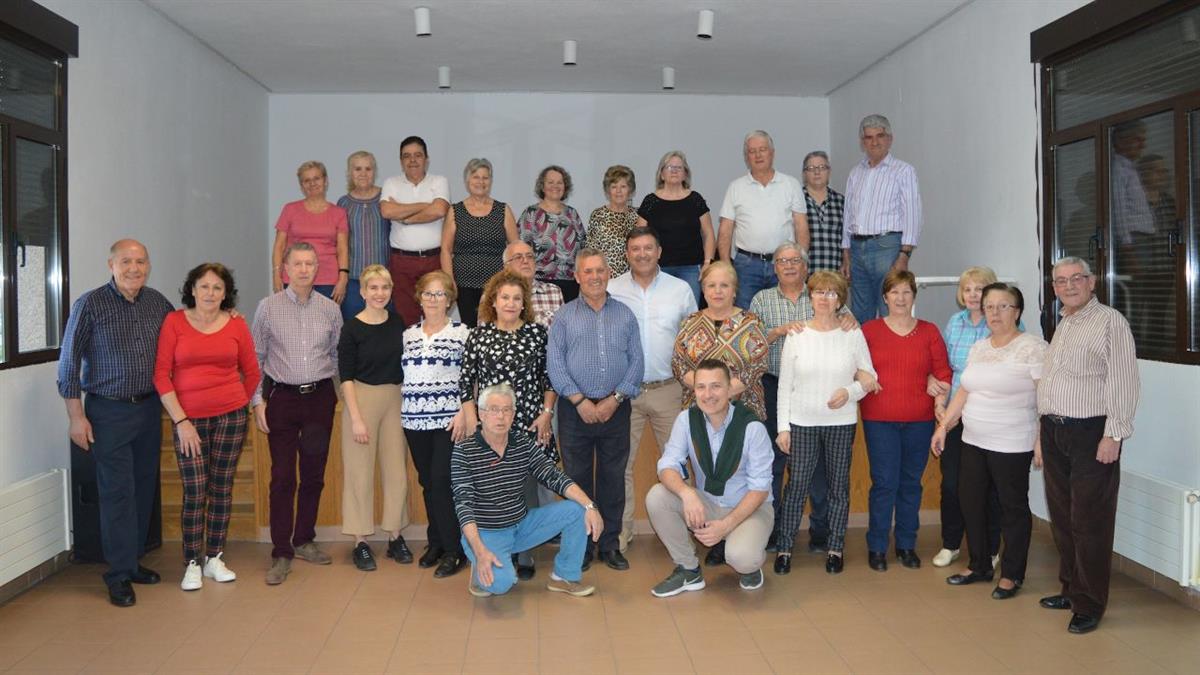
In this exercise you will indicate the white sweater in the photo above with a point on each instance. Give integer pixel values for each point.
(814, 365)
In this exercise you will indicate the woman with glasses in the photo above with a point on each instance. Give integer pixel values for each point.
(681, 218)
(997, 402)
(610, 224)
(474, 235)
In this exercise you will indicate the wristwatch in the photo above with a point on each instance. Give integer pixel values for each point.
(619, 397)
(590, 506)
(1116, 439)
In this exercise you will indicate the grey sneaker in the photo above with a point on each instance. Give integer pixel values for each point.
(310, 553)
(751, 581)
(573, 588)
(280, 567)
(474, 589)
(680, 580)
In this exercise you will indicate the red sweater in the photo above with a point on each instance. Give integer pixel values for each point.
(903, 364)
(211, 374)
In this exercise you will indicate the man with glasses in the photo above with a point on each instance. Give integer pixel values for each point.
(825, 208)
(1086, 398)
(547, 298)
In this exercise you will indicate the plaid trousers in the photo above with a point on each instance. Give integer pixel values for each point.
(208, 478)
(835, 444)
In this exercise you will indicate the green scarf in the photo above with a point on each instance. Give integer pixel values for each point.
(730, 455)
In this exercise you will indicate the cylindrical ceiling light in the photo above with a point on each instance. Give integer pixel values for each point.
(424, 26)
(443, 77)
(570, 52)
(668, 77)
(704, 30)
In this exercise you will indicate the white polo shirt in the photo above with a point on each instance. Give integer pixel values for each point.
(660, 309)
(762, 214)
(417, 236)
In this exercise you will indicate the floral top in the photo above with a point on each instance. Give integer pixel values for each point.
(606, 232)
(432, 370)
(739, 341)
(555, 238)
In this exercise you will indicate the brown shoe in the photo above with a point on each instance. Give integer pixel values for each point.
(311, 553)
(572, 588)
(280, 568)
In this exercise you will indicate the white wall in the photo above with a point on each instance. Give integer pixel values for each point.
(168, 145)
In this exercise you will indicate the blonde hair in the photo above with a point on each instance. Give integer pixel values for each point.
(441, 277)
(662, 164)
(350, 167)
(311, 164)
(980, 275)
(372, 272)
(722, 266)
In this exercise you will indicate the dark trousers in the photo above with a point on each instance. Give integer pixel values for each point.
(1081, 494)
(208, 481)
(405, 270)
(300, 427)
(569, 288)
(468, 305)
(1007, 474)
(818, 489)
(126, 449)
(953, 525)
(431, 455)
(898, 452)
(601, 449)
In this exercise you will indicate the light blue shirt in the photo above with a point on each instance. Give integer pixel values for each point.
(594, 353)
(753, 473)
(660, 309)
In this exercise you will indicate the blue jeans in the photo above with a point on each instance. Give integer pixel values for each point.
(897, 452)
(324, 289)
(870, 261)
(538, 526)
(754, 274)
(690, 274)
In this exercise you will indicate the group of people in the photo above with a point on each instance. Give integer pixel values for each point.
(750, 352)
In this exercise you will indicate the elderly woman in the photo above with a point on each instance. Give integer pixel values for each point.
(368, 238)
(898, 421)
(997, 401)
(205, 372)
(818, 413)
(474, 235)
(315, 221)
(554, 230)
(610, 224)
(681, 218)
(369, 353)
(432, 414)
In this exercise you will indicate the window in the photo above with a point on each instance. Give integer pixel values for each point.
(1120, 113)
(34, 46)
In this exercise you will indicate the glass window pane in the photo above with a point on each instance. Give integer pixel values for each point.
(1192, 237)
(1150, 65)
(39, 292)
(1075, 200)
(3, 276)
(28, 85)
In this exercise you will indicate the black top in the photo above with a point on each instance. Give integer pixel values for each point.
(677, 222)
(372, 354)
(478, 245)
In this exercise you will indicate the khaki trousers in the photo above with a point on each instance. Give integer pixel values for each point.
(745, 546)
(659, 407)
(380, 409)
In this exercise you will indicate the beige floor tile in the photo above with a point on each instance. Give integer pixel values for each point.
(289, 654)
(500, 668)
(51, 656)
(724, 664)
(199, 656)
(353, 657)
(814, 662)
(656, 666)
(882, 661)
(514, 650)
(603, 665)
(731, 640)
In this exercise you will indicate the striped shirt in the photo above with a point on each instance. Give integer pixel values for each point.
(368, 233)
(296, 342)
(489, 489)
(595, 353)
(1091, 369)
(110, 343)
(432, 370)
(881, 199)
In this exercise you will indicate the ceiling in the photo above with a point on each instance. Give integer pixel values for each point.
(759, 47)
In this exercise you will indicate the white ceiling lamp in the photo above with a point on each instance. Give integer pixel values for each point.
(570, 53)
(443, 77)
(668, 78)
(704, 30)
(424, 26)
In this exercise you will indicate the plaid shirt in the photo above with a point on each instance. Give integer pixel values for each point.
(775, 310)
(960, 336)
(296, 342)
(825, 227)
(547, 298)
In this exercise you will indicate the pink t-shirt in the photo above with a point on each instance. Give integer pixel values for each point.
(320, 230)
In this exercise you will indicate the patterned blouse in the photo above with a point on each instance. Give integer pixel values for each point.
(478, 245)
(739, 341)
(555, 238)
(368, 233)
(606, 232)
(432, 372)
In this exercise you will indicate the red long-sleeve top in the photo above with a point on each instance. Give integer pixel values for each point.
(903, 364)
(211, 373)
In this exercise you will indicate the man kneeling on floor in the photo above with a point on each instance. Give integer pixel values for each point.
(731, 502)
(487, 475)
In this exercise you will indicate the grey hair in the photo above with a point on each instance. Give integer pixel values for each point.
(591, 252)
(298, 246)
(475, 164)
(498, 389)
(1073, 260)
(662, 163)
(791, 246)
(815, 153)
(504, 256)
(874, 122)
(758, 133)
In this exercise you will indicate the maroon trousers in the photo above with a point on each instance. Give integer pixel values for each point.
(300, 428)
(405, 270)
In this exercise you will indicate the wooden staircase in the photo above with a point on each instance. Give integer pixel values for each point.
(242, 522)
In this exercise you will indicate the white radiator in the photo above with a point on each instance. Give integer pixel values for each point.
(1158, 525)
(34, 523)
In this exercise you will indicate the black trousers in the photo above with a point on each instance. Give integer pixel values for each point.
(431, 456)
(1081, 494)
(818, 491)
(1007, 474)
(601, 451)
(468, 304)
(953, 525)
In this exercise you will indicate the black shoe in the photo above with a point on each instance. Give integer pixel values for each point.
(834, 564)
(398, 550)
(449, 565)
(614, 559)
(908, 557)
(1055, 602)
(999, 593)
(877, 561)
(145, 575)
(431, 556)
(783, 563)
(121, 594)
(816, 545)
(526, 572)
(587, 559)
(716, 555)
(1082, 623)
(969, 578)
(363, 558)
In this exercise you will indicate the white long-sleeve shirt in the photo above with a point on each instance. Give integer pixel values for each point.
(814, 365)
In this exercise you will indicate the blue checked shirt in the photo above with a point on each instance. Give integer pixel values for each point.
(960, 335)
(825, 230)
(110, 343)
(595, 353)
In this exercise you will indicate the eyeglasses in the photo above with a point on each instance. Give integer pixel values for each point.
(992, 309)
(433, 295)
(526, 257)
(816, 169)
(497, 410)
(788, 262)
(673, 167)
(828, 295)
(1073, 280)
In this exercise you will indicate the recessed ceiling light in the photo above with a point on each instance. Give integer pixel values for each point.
(570, 52)
(668, 78)
(424, 27)
(443, 77)
(704, 30)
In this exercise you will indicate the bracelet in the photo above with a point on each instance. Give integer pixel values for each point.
(581, 400)
(549, 411)
(906, 253)
(181, 421)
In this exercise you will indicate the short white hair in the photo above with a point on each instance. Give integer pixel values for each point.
(1073, 260)
(498, 389)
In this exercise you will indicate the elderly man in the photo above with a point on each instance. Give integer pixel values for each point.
(594, 359)
(416, 203)
(1086, 398)
(547, 298)
(826, 209)
(296, 334)
(660, 302)
(731, 502)
(108, 352)
(761, 210)
(487, 475)
(883, 217)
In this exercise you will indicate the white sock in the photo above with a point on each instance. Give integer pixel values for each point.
(556, 577)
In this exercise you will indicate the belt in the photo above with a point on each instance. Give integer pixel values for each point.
(761, 256)
(1061, 421)
(869, 237)
(307, 388)
(657, 383)
(127, 399)
(427, 253)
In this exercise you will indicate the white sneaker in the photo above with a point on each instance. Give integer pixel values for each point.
(944, 557)
(215, 569)
(192, 579)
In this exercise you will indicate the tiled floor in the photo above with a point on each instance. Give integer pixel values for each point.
(401, 620)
